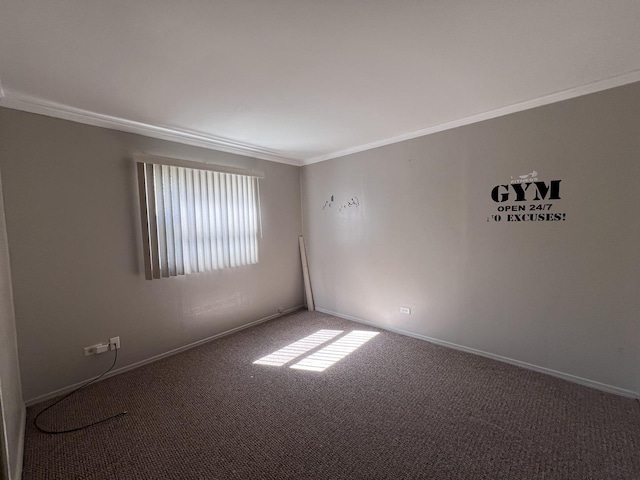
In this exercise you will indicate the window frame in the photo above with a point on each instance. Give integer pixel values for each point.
(151, 210)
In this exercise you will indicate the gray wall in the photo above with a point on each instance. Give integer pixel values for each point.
(12, 411)
(559, 295)
(74, 234)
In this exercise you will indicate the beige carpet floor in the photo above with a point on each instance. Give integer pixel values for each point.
(396, 408)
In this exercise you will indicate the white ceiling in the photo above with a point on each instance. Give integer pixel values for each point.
(305, 80)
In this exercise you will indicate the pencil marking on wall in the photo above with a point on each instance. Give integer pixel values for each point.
(328, 203)
(230, 302)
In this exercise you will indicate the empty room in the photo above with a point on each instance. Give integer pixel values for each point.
(319, 240)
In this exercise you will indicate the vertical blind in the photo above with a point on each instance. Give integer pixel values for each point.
(197, 220)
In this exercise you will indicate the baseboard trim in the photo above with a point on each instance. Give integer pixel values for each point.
(529, 366)
(155, 358)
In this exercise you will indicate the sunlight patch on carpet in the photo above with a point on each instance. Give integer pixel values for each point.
(296, 349)
(336, 351)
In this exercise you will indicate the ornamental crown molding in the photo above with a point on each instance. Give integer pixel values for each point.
(26, 103)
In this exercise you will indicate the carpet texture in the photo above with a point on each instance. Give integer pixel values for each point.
(396, 408)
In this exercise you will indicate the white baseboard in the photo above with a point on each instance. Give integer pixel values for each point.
(565, 376)
(117, 371)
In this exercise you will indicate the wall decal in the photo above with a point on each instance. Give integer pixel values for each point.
(525, 191)
(328, 203)
(526, 178)
(353, 202)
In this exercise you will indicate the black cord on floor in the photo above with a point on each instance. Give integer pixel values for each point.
(43, 430)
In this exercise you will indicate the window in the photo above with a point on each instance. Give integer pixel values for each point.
(197, 217)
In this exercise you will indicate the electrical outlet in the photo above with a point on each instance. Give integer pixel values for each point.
(405, 310)
(114, 343)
